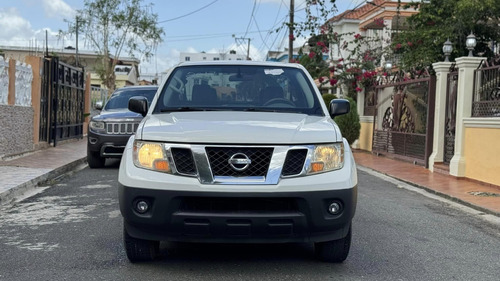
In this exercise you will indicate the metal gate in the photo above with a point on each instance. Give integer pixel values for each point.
(62, 101)
(404, 119)
(451, 115)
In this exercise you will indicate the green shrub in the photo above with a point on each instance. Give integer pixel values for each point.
(328, 98)
(348, 123)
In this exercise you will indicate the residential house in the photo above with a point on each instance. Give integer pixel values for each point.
(381, 19)
(126, 70)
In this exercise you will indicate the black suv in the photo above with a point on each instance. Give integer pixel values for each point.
(110, 130)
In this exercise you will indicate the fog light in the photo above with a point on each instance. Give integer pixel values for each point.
(92, 140)
(141, 206)
(335, 208)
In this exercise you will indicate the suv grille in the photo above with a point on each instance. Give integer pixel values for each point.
(184, 162)
(121, 128)
(294, 162)
(219, 161)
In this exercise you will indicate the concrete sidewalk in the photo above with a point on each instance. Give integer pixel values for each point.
(26, 173)
(482, 197)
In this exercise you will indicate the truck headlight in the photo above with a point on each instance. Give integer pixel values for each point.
(326, 158)
(150, 155)
(97, 126)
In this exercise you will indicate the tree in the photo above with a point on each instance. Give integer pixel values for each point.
(115, 26)
(421, 44)
(357, 70)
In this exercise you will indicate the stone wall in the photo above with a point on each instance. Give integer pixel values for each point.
(16, 130)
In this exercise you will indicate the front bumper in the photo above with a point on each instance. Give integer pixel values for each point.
(236, 217)
(108, 146)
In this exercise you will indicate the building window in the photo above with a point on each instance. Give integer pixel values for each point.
(204, 58)
(216, 58)
(187, 58)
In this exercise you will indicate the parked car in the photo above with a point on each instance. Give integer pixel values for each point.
(110, 130)
(238, 152)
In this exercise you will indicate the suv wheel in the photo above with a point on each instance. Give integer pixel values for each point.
(94, 160)
(138, 249)
(335, 251)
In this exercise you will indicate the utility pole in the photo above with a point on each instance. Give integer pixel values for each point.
(77, 60)
(291, 36)
(243, 39)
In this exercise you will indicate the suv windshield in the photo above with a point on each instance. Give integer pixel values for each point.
(239, 87)
(119, 99)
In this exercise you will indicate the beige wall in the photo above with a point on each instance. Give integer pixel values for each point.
(36, 89)
(366, 134)
(482, 152)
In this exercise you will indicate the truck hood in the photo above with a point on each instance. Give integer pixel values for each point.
(117, 115)
(234, 127)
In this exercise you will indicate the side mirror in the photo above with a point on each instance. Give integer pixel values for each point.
(98, 105)
(339, 107)
(139, 105)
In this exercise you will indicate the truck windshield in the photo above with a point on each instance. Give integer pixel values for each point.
(239, 88)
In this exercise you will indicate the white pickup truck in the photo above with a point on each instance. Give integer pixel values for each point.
(238, 152)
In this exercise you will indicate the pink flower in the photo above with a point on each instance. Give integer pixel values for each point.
(398, 46)
(332, 69)
(291, 37)
(358, 89)
(341, 59)
(321, 44)
(321, 79)
(333, 81)
(357, 36)
(410, 43)
(340, 66)
(385, 74)
(312, 54)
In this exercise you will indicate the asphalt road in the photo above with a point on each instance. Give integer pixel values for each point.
(73, 231)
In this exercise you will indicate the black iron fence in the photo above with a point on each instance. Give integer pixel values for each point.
(62, 101)
(486, 101)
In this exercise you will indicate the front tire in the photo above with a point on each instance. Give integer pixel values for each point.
(335, 251)
(139, 250)
(94, 160)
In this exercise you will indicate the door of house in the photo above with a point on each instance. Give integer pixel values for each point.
(404, 119)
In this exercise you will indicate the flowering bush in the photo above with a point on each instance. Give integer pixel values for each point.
(354, 72)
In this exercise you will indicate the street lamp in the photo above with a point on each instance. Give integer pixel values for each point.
(447, 48)
(471, 43)
(388, 65)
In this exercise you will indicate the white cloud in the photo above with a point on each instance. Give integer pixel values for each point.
(58, 9)
(14, 27)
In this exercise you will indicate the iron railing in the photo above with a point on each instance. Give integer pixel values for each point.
(486, 98)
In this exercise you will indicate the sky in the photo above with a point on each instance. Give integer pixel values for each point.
(189, 25)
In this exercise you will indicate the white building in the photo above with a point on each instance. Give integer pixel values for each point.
(232, 55)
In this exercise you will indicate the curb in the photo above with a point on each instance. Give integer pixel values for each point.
(440, 194)
(12, 194)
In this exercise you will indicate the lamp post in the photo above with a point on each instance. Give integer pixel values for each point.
(447, 49)
(471, 43)
(388, 65)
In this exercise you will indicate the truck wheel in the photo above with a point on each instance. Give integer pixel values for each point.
(140, 250)
(335, 251)
(94, 160)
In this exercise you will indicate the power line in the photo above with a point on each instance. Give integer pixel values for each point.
(188, 14)
(251, 16)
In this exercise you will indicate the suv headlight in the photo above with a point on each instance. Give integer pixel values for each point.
(326, 158)
(151, 156)
(97, 126)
